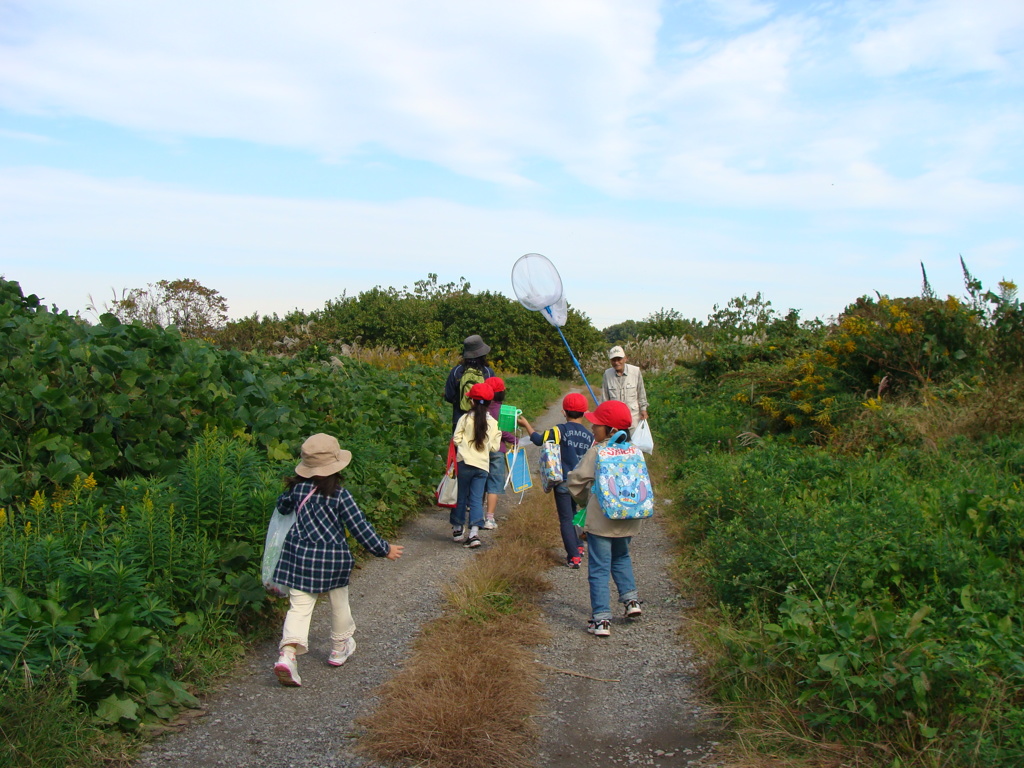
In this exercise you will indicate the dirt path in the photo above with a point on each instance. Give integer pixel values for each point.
(649, 717)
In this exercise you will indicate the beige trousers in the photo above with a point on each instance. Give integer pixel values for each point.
(296, 621)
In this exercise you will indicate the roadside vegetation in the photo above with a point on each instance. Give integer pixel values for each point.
(468, 695)
(138, 469)
(851, 507)
(848, 497)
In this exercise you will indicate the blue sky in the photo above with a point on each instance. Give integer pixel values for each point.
(662, 155)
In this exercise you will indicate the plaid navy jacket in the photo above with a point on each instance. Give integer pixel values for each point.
(315, 557)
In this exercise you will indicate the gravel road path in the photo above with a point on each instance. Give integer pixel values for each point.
(648, 717)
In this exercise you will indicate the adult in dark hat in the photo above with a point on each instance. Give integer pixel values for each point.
(472, 370)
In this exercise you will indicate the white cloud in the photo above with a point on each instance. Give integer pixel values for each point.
(467, 85)
(739, 156)
(33, 138)
(484, 90)
(950, 35)
(68, 236)
(740, 12)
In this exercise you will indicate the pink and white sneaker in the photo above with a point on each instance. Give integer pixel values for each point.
(287, 671)
(341, 653)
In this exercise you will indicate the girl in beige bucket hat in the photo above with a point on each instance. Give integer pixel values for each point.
(315, 558)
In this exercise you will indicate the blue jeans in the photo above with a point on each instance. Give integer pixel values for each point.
(609, 557)
(472, 481)
(566, 508)
(497, 474)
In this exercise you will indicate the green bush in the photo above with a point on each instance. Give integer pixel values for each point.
(865, 553)
(429, 317)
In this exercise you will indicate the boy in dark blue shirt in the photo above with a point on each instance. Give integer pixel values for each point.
(574, 441)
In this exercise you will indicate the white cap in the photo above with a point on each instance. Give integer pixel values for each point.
(616, 352)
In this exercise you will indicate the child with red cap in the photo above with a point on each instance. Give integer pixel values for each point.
(608, 539)
(476, 435)
(574, 441)
(499, 468)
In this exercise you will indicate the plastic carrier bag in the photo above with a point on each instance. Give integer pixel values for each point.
(642, 437)
(277, 532)
(621, 482)
(551, 460)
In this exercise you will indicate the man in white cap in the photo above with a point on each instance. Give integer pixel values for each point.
(626, 383)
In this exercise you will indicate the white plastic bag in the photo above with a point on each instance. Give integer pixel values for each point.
(276, 533)
(642, 437)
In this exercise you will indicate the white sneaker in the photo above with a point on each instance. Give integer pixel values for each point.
(599, 627)
(458, 535)
(341, 653)
(489, 524)
(287, 671)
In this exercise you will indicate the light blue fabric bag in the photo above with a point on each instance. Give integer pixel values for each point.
(518, 470)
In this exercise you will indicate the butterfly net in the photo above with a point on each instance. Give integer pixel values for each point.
(537, 283)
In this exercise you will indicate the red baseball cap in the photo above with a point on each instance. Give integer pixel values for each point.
(611, 413)
(496, 384)
(480, 392)
(574, 401)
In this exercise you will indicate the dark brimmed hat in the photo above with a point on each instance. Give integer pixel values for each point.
(473, 347)
(322, 457)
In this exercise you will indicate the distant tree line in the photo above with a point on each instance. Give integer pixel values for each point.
(430, 316)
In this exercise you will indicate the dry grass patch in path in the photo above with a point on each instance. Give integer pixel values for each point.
(467, 696)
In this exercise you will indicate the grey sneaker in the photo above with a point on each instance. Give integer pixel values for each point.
(489, 524)
(599, 627)
(633, 609)
(341, 652)
(287, 671)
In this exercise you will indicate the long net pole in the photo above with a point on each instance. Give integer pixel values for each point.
(577, 362)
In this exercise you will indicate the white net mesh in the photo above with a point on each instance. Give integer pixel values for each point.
(556, 313)
(536, 283)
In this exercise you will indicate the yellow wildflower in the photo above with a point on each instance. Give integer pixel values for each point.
(3, 516)
(903, 327)
(38, 502)
(90, 482)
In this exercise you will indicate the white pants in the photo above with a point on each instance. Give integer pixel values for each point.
(296, 621)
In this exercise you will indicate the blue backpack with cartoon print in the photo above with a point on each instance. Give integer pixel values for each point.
(621, 481)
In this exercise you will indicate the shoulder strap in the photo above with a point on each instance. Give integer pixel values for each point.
(558, 435)
(303, 502)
